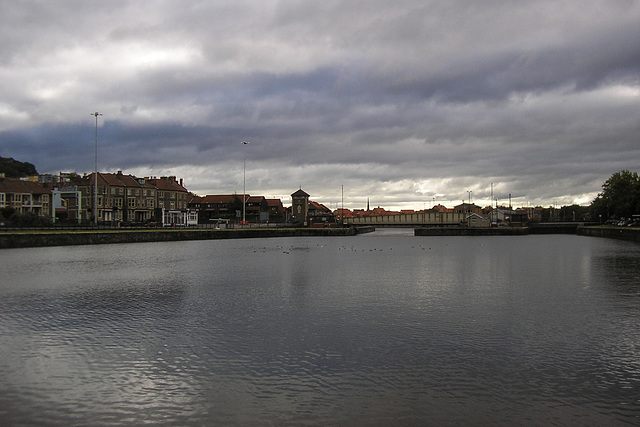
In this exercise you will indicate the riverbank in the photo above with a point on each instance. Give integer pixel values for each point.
(533, 228)
(11, 240)
(624, 233)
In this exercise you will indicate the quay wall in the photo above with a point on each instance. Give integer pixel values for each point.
(632, 234)
(624, 233)
(554, 227)
(10, 240)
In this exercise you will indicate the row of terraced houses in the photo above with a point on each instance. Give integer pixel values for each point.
(127, 199)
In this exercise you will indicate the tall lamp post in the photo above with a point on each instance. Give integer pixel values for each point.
(469, 209)
(95, 176)
(244, 182)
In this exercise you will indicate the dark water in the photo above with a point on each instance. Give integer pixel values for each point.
(378, 329)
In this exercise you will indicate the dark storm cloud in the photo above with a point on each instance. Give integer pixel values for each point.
(404, 101)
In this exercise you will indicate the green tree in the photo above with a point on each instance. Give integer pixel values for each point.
(620, 196)
(28, 219)
(6, 213)
(235, 205)
(15, 169)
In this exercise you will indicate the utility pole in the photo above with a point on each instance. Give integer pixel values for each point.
(95, 176)
(244, 184)
(342, 208)
(469, 210)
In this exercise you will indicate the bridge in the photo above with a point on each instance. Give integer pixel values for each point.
(417, 219)
(449, 219)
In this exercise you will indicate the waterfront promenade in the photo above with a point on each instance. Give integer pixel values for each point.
(25, 239)
(15, 239)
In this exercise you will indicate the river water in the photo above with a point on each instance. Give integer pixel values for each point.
(377, 329)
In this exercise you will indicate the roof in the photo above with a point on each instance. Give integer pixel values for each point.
(219, 198)
(9, 185)
(121, 180)
(113, 180)
(345, 213)
(274, 202)
(166, 183)
(318, 206)
(300, 193)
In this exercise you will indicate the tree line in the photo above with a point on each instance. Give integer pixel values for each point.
(619, 198)
(16, 169)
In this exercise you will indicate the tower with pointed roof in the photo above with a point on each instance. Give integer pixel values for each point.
(299, 207)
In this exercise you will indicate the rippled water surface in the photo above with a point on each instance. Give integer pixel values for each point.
(378, 329)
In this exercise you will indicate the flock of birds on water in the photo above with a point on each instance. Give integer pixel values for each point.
(291, 248)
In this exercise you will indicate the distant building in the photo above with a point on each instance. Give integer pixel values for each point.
(299, 207)
(216, 206)
(343, 214)
(212, 208)
(476, 220)
(172, 202)
(320, 216)
(467, 208)
(67, 204)
(128, 199)
(276, 210)
(25, 196)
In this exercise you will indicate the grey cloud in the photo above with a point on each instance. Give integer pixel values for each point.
(399, 101)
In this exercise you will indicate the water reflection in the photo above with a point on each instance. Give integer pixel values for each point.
(378, 329)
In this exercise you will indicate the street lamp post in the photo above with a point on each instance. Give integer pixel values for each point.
(95, 176)
(469, 209)
(244, 182)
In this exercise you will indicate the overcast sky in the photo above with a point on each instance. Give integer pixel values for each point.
(404, 102)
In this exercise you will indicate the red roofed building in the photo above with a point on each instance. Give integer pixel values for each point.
(229, 207)
(320, 216)
(129, 199)
(276, 210)
(25, 196)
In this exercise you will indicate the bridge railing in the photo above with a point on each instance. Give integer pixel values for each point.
(423, 218)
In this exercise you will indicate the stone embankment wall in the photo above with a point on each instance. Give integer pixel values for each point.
(623, 233)
(554, 227)
(632, 234)
(39, 239)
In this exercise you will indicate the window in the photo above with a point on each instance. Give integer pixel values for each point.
(132, 203)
